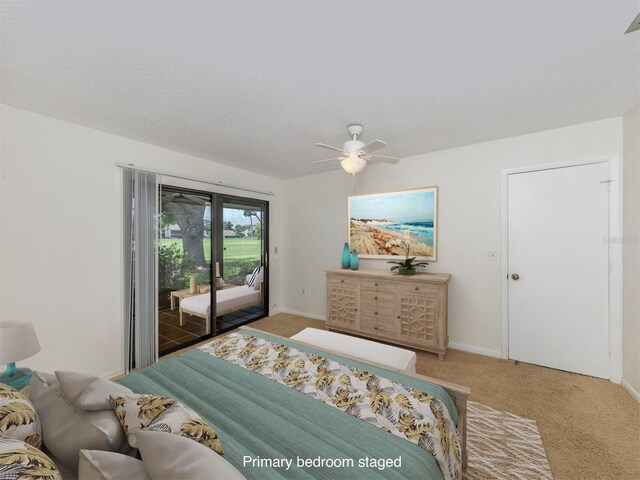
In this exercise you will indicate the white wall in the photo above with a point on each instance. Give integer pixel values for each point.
(631, 252)
(61, 233)
(469, 220)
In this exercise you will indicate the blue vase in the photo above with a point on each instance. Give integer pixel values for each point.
(355, 262)
(346, 256)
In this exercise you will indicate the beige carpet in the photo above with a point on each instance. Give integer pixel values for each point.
(503, 446)
(590, 427)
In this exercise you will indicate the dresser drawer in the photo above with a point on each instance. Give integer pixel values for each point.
(345, 281)
(376, 311)
(378, 327)
(389, 324)
(376, 297)
(378, 285)
(421, 288)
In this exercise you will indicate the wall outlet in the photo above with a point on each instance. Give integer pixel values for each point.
(493, 255)
(303, 291)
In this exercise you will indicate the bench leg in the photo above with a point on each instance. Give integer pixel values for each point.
(181, 320)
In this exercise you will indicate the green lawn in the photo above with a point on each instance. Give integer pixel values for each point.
(235, 248)
(241, 255)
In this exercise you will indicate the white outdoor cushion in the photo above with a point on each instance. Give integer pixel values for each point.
(388, 355)
(167, 456)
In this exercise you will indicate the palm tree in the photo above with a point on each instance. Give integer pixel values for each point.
(251, 214)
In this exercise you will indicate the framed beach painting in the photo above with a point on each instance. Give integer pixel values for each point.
(379, 222)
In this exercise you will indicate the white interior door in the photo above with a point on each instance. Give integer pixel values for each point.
(558, 224)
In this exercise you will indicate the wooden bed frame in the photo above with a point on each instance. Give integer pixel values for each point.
(221, 312)
(458, 393)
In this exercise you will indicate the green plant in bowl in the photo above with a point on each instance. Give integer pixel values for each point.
(408, 265)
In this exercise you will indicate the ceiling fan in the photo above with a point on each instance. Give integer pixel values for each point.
(186, 199)
(355, 154)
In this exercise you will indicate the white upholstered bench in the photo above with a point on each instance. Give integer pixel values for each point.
(388, 355)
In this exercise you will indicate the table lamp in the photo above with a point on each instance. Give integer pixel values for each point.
(17, 342)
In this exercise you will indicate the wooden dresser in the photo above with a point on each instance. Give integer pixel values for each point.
(408, 310)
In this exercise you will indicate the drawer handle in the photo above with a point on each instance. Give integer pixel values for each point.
(375, 298)
(375, 313)
(355, 309)
(341, 281)
(417, 289)
(375, 328)
(375, 284)
(398, 317)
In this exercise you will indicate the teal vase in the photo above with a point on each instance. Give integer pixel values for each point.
(354, 262)
(346, 256)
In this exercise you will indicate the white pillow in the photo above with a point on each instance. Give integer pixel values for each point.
(167, 456)
(67, 430)
(99, 465)
(88, 392)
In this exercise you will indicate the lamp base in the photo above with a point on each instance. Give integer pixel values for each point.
(17, 378)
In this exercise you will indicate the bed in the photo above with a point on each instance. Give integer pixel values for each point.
(228, 300)
(261, 420)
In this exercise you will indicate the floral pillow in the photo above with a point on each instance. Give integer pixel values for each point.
(20, 460)
(18, 417)
(162, 414)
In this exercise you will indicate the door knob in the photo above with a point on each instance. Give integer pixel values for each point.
(515, 276)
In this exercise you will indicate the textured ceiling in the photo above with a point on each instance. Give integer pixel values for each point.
(256, 84)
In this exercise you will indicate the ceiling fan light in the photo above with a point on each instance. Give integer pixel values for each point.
(353, 164)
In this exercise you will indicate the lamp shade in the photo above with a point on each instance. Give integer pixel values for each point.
(17, 342)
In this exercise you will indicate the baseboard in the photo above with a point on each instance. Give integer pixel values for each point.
(632, 391)
(303, 314)
(275, 311)
(110, 375)
(472, 349)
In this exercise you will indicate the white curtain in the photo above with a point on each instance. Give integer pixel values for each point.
(140, 268)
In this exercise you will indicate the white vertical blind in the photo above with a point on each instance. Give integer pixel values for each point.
(140, 267)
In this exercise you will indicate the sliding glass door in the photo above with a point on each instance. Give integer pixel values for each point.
(242, 261)
(184, 267)
(212, 265)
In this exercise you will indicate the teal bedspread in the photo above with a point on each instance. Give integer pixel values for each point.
(264, 425)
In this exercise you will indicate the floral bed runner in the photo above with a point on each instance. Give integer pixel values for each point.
(398, 409)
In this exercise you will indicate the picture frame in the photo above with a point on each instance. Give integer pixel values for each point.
(379, 223)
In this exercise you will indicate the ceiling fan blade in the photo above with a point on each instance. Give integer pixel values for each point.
(373, 146)
(327, 160)
(324, 145)
(185, 199)
(383, 159)
(194, 199)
